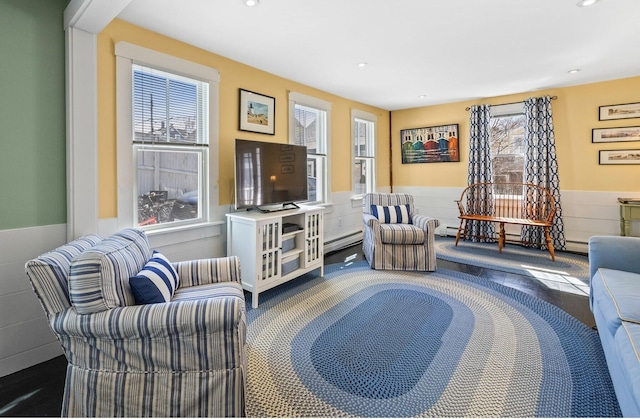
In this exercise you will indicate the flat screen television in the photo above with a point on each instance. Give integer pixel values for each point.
(269, 174)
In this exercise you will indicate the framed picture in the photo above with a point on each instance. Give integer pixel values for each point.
(285, 157)
(614, 135)
(620, 156)
(623, 111)
(257, 112)
(430, 144)
(287, 169)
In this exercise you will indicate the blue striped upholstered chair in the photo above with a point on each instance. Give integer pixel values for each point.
(395, 237)
(185, 357)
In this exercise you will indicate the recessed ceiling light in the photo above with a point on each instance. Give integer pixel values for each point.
(251, 3)
(585, 3)
(574, 71)
(362, 64)
(422, 96)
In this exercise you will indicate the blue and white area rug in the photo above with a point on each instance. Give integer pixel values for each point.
(535, 263)
(359, 342)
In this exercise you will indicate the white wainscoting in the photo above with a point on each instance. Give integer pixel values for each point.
(584, 214)
(25, 337)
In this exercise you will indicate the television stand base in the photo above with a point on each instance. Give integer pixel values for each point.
(276, 208)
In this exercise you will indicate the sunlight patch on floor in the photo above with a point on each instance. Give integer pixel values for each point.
(559, 281)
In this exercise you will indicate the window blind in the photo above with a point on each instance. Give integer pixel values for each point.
(168, 108)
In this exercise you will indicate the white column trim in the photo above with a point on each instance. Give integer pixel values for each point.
(82, 133)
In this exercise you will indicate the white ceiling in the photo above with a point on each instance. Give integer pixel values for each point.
(447, 50)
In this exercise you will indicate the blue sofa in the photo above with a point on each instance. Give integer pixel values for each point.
(614, 264)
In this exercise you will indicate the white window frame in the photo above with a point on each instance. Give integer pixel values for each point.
(498, 111)
(357, 114)
(126, 55)
(312, 102)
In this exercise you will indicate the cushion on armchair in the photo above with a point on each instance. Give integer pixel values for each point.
(401, 234)
(396, 214)
(156, 282)
(99, 277)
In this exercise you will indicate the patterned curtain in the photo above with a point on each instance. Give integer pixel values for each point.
(541, 166)
(480, 171)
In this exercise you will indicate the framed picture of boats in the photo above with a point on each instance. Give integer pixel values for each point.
(622, 111)
(619, 157)
(614, 135)
(437, 144)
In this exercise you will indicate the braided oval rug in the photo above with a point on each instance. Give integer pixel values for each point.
(360, 342)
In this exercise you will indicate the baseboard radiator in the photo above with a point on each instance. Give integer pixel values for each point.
(343, 241)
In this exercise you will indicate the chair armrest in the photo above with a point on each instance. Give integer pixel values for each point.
(614, 252)
(188, 335)
(208, 271)
(425, 222)
(370, 221)
(460, 207)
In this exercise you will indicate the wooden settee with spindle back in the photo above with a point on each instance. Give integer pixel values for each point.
(507, 203)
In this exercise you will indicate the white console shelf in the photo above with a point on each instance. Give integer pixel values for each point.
(275, 247)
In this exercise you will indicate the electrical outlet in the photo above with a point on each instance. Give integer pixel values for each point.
(339, 221)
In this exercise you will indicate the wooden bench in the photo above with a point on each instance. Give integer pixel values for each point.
(507, 203)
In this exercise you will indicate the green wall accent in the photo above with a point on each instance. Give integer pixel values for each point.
(32, 113)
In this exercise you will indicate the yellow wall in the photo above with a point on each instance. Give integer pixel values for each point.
(233, 76)
(575, 113)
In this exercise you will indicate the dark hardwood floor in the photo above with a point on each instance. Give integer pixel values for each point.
(37, 391)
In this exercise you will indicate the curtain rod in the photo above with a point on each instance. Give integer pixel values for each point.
(511, 103)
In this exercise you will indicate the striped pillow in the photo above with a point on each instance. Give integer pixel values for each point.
(156, 282)
(397, 214)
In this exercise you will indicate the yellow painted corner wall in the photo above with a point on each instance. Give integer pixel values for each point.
(233, 76)
(575, 114)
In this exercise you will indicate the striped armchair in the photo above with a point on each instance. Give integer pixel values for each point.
(395, 237)
(185, 357)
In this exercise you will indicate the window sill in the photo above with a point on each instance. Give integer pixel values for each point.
(181, 234)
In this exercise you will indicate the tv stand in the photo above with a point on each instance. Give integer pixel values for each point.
(272, 250)
(285, 206)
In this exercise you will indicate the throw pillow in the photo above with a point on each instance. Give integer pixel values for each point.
(397, 214)
(156, 282)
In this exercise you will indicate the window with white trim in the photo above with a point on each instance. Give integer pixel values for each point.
(166, 121)
(507, 143)
(309, 126)
(170, 146)
(363, 128)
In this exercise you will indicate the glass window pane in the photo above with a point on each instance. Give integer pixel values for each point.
(168, 185)
(507, 148)
(168, 108)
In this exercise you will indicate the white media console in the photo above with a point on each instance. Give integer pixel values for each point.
(275, 247)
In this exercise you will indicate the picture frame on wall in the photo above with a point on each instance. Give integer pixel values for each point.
(257, 112)
(615, 134)
(436, 144)
(619, 156)
(622, 111)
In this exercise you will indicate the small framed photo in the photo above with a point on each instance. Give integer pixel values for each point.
(287, 157)
(430, 144)
(614, 135)
(623, 111)
(286, 169)
(257, 112)
(619, 156)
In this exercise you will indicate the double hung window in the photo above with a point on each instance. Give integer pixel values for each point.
(167, 137)
(507, 143)
(170, 142)
(363, 126)
(309, 126)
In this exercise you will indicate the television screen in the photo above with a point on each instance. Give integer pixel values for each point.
(269, 173)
